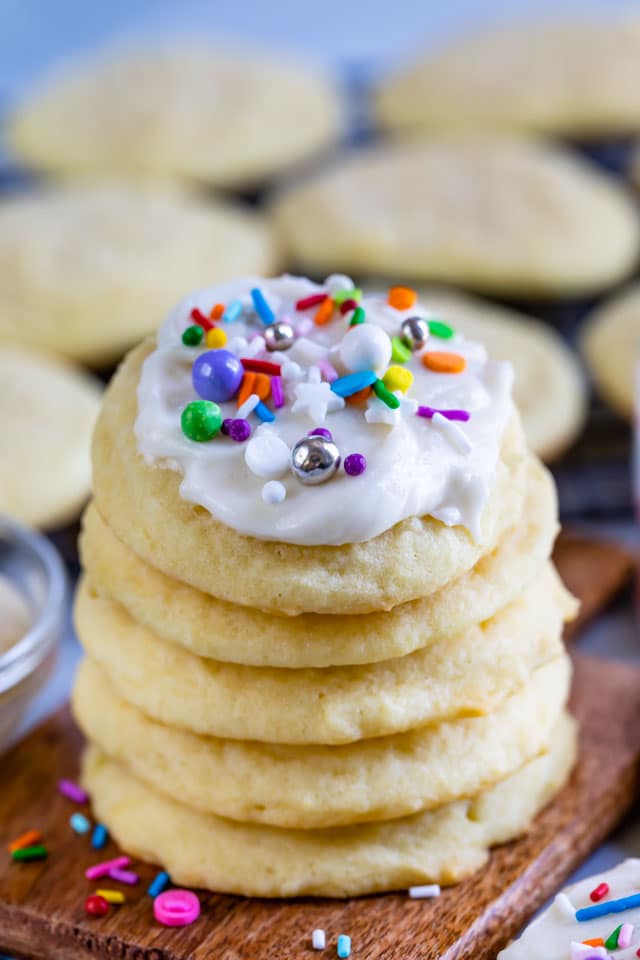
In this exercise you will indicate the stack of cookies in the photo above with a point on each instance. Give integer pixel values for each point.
(323, 631)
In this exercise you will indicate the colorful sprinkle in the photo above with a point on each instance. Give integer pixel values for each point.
(176, 908)
(159, 883)
(360, 397)
(402, 298)
(112, 896)
(318, 939)
(400, 352)
(123, 876)
(216, 375)
(355, 464)
(327, 370)
(442, 362)
(96, 906)
(72, 791)
(240, 429)
(347, 306)
(611, 943)
(248, 406)
(312, 301)
(357, 318)
(564, 906)
(593, 942)
(303, 326)
(274, 492)
(192, 336)
(398, 378)
(28, 839)
(385, 395)
(198, 317)
(429, 412)
(625, 936)
(324, 312)
(454, 434)
(261, 306)
(79, 823)
(321, 432)
(102, 869)
(261, 366)
(262, 411)
(344, 946)
(201, 420)
(245, 391)
(600, 891)
(27, 854)
(277, 392)
(216, 338)
(232, 312)
(217, 311)
(100, 836)
(425, 892)
(440, 329)
(353, 382)
(351, 293)
(610, 906)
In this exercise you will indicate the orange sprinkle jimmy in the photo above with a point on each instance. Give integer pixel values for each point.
(402, 298)
(442, 362)
(324, 312)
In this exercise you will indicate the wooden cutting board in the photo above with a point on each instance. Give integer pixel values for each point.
(41, 904)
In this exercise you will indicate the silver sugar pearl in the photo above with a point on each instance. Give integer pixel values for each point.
(278, 336)
(314, 460)
(415, 332)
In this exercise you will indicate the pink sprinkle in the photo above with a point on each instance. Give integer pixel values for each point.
(72, 791)
(625, 935)
(304, 326)
(123, 876)
(102, 869)
(328, 371)
(277, 392)
(429, 412)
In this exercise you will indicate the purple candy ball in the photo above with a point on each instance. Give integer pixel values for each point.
(217, 375)
(320, 432)
(226, 423)
(240, 430)
(355, 464)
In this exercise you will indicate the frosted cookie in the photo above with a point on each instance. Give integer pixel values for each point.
(213, 115)
(441, 846)
(47, 413)
(570, 77)
(419, 499)
(609, 342)
(460, 676)
(224, 631)
(603, 909)
(501, 215)
(549, 386)
(87, 271)
(313, 786)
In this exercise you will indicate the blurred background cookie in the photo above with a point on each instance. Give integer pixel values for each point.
(47, 412)
(610, 342)
(499, 215)
(576, 76)
(88, 270)
(214, 115)
(549, 387)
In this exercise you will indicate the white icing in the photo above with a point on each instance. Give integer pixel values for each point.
(553, 934)
(414, 466)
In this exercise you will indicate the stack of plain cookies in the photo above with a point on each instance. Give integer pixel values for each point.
(273, 719)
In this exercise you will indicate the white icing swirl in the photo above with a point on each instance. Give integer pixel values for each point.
(557, 935)
(415, 466)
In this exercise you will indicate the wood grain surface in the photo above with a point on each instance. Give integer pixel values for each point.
(41, 904)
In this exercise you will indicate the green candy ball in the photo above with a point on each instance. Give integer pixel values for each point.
(201, 420)
(192, 337)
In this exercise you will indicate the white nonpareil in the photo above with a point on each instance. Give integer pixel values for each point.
(413, 467)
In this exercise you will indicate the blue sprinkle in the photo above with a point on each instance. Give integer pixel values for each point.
(232, 312)
(159, 883)
(263, 309)
(99, 838)
(608, 906)
(262, 410)
(353, 383)
(344, 945)
(79, 823)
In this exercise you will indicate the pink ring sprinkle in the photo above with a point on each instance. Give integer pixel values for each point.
(176, 908)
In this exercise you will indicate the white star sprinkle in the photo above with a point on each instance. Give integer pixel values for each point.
(378, 412)
(316, 398)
